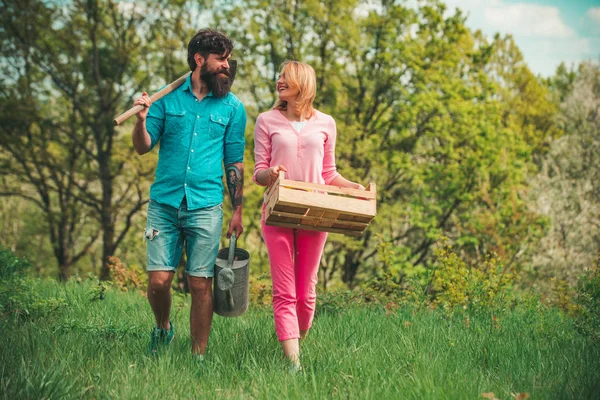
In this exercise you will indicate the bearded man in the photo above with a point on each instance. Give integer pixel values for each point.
(200, 127)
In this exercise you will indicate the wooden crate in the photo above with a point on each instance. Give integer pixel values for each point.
(325, 208)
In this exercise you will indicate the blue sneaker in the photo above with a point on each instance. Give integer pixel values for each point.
(160, 337)
(200, 362)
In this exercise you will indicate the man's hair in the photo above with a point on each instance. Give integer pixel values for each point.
(208, 41)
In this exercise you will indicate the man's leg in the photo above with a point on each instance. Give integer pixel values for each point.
(202, 230)
(201, 312)
(159, 296)
(164, 243)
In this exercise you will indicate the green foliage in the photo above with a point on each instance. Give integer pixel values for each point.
(12, 266)
(451, 125)
(387, 293)
(18, 294)
(588, 300)
(335, 302)
(421, 104)
(566, 191)
(126, 278)
(68, 69)
(260, 291)
(98, 291)
(96, 350)
(486, 286)
(37, 382)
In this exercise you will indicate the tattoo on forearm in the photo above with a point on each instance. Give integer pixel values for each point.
(235, 183)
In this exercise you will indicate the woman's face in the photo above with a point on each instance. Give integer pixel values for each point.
(284, 92)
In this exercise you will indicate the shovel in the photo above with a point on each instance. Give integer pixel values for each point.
(226, 276)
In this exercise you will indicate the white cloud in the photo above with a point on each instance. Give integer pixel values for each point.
(592, 21)
(527, 20)
(522, 19)
(594, 14)
(544, 55)
(540, 31)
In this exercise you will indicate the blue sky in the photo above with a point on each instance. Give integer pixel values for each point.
(546, 31)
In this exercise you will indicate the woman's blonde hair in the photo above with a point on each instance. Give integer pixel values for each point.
(299, 76)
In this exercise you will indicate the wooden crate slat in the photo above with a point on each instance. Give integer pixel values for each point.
(326, 188)
(314, 220)
(325, 223)
(331, 214)
(354, 218)
(312, 228)
(329, 203)
(290, 209)
(272, 201)
(303, 205)
(344, 226)
(315, 212)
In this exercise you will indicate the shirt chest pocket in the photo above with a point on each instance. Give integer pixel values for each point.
(174, 122)
(217, 125)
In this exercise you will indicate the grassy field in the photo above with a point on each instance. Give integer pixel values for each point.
(96, 349)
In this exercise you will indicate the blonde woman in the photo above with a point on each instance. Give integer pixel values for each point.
(296, 138)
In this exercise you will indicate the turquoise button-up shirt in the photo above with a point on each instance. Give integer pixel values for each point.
(196, 139)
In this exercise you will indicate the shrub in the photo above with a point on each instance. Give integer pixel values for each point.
(124, 278)
(588, 299)
(19, 296)
(453, 283)
(337, 301)
(393, 291)
(260, 291)
(12, 266)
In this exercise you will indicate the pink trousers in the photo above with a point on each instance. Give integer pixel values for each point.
(294, 255)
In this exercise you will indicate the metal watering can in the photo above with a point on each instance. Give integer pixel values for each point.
(230, 289)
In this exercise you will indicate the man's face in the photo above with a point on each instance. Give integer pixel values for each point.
(215, 73)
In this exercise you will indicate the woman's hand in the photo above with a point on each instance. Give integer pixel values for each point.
(345, 183)
(273, 173)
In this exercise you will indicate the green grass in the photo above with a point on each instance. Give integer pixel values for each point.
(96, 349)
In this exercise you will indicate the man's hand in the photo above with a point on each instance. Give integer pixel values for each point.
(139, 136)
(236, 223)
(143, 101)
(235, 183)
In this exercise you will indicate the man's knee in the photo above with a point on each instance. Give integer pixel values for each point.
(200, 286)
(160, 282)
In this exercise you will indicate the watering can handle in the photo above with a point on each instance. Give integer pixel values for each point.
(231, 250)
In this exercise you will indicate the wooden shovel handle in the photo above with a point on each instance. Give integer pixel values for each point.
(161, 93)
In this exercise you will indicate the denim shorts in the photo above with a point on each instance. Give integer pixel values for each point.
(168, 229)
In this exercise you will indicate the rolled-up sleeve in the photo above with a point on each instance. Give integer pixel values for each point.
(262, 148)
(155, 122)
(329, 168)
(233, 151)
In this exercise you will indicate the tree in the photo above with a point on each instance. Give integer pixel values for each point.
(567, 189)
(40, 143)
(417, 111)
(85, 60)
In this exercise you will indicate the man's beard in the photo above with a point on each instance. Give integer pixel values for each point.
(218, 84)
